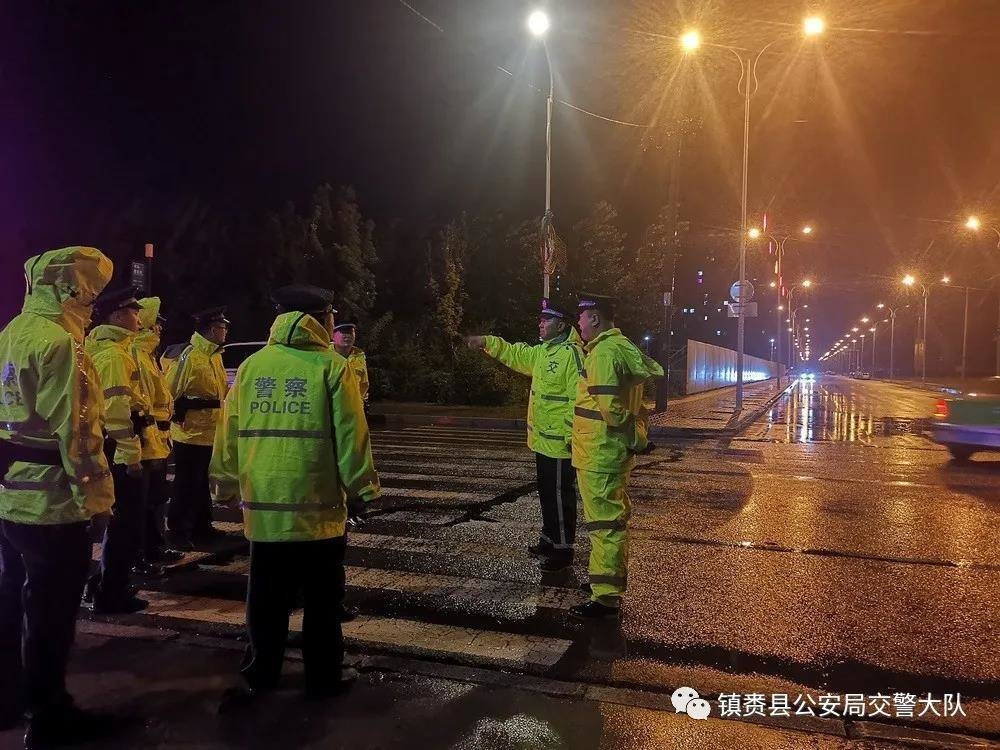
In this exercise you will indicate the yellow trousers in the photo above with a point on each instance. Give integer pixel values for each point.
(606, 509)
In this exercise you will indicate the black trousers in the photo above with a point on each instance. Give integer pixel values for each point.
(156, 489)
(123, 536)
(190, 510)
(279, 571)
(42, 573)
(557, 493)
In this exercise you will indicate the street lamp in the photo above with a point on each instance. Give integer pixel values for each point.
(748, 85)
(791, 318)
(892, 335)
(974, 224)
(910, 280)
(538, 25)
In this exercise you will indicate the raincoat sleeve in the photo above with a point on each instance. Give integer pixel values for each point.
(224, 471)
(71, 404)
(363, 376)
(607, 385)
(518, 357)
(352, 442)
(118, 398)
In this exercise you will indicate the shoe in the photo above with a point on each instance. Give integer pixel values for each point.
(348, 676)
(347, 614)
(149, 570)
(182, 542)
(170, 556)
(67, 727)
(540, 550)
(90, 590)
(594, 611)
(126, 606)
(237, 699)
(555, 564)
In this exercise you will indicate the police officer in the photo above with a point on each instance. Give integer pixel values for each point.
(609, 430)
(53, 479)
(126, 416)
(297, 404)
(197, 381)
(344, 337)
(555, 365)
(155, 435)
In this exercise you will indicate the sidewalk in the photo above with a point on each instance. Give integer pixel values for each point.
(949, 386)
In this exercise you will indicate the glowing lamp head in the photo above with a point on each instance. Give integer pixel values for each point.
(973, 223)
(813, 26)
(807, 283)
(753, 233)
(807, 229)
(909, 280)
(946, 279)
(690, 40)
(538, 23)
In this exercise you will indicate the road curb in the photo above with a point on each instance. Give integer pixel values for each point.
(736, 426)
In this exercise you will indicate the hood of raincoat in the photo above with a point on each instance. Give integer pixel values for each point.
(639, 365)
(147, 338)
(63, 284)
(300, 331)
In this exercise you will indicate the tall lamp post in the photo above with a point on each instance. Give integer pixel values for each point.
(892, 334)
(807, 284)
(974, 223)
(748, 86)
(910, 280)
(538, 25)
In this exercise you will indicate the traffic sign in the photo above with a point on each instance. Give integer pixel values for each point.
(734, 292)
(749, 310)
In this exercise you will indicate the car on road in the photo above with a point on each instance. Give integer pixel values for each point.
(234, 354)
(967, 424)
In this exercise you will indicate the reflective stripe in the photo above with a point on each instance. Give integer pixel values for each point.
(579, 362)
(551, 437)
(560, 399)
(123, 434)
(568, 423)
(117, 390)
(12, 426)
(44, 484)
(559, 508)
(620, 525)
(588, 413)
(604, 390)
(613, 580)
(290, 506)
(315, 434)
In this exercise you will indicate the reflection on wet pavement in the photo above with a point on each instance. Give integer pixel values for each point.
(840, 410)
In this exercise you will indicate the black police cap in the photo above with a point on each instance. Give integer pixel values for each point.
(345, 325)
(205, 318)
(553, 309)
(112, 300)
(303, 298)
(602, 302)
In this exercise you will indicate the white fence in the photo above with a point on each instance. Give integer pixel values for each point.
(710, 366)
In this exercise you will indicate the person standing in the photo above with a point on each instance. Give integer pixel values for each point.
(555, 365)
(126, 416)
(197, 381)
(295, 403)
(53, 479)
(155, 435)
(609, 430)
(344, 337)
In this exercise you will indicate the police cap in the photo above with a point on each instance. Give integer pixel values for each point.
(553, 309)
(205, 318)
(112, 300)
(345, 325)
(601, 302)
(303, 298)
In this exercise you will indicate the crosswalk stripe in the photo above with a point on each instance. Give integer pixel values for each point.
(430, 584)
(410, 636)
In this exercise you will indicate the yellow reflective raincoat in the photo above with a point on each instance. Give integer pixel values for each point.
(555, 368)
(609, 421)
(125, 403)
(155, 437)
(357, 362)
(50, 396)
(293, 443)
(197, 373)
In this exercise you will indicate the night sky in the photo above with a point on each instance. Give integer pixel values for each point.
(887, 126)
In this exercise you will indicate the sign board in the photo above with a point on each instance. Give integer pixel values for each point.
(137, 275)
(668, 299)
(734, 292)
(749, 310)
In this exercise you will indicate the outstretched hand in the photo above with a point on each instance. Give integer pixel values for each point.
(475, 342)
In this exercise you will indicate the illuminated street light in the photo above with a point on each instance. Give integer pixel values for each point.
(691, 40)
(946, 279)
(855, 329)
(813, 26)
(909, 280)
(538, 23)
(880, 305)
(864, 319)
(807, 229)
(806, 284)
(973, 223)
(773, 284)
(753, 233)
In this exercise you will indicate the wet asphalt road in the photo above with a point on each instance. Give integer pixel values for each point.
(830, 548)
